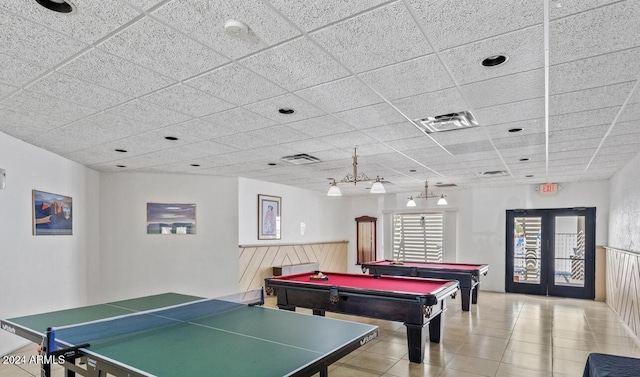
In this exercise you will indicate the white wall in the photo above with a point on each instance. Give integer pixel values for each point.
(624, 208)
(481, 219)
(134, 263)
(43, 273)
(324, 216)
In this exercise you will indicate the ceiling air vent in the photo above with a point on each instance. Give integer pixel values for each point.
(446, 122)
(494, 173)
(301, 159)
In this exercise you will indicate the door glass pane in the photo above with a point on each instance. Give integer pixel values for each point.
(569, 251)
(526, 250)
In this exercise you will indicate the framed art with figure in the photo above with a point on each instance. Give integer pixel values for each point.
(51, 214)
(269, 220)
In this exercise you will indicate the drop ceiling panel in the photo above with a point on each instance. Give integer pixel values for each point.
(24, 123)
(583, 118)
(187, 100)
(340, 95)
(115, 73)
(143, 111)
(43, 104)
(239, 120)
(162, 49)
(269, 109)
(511, 112)
(431, 104)
(370, 116)
(452, 23)
(204, 22)
(415, 76)
(308, 146)
(523, 48)
(519, 141)
(321, 126)
(348, 140)
(394, 132)
(601, 97)
(528, 127)
(608, 23)
(17, 72)
(631, 111)
(623, 128)
(242, 141)
(374, 39)
(236, 85)
(505, 89)
(277, 134)
(577, 134)
(296, 65)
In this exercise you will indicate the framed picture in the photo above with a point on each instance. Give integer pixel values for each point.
(163, 218)
(269, 220)
(52, 214)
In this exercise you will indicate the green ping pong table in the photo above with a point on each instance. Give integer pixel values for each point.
(178, 335)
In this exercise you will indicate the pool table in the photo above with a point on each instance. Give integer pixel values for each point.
(467, 274)
(416, 302)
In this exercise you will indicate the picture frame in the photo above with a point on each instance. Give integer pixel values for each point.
(171, 218)
(269, 217)
(52, 214)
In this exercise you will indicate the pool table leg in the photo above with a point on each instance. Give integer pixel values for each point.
(416, 339)
(465, 295)
(474, 294)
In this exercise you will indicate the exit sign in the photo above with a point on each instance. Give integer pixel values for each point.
(548, 189)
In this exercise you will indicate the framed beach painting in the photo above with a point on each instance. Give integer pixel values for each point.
(52, 214)
(169, 218)
(269, 217)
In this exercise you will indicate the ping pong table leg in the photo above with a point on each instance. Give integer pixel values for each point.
(324, 372)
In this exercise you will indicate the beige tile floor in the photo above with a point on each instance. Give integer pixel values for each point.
(504, 335)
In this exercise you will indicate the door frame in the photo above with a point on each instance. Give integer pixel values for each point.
(547, 286)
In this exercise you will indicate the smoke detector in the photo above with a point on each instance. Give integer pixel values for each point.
(236, 29)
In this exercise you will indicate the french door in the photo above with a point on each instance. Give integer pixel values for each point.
(551, 252)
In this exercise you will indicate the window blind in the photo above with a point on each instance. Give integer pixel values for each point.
(418, 237)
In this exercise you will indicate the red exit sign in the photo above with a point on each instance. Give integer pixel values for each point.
(548, 189)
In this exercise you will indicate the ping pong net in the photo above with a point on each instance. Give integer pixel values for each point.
(66, 340)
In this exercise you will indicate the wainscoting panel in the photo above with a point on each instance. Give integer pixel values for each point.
(623, 286)
(256, 261)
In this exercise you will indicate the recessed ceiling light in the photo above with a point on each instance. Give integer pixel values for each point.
(172, 138)
(529, 176)
(195, 165)
(524, 159)
(120, 150)
(60, 6)
(272, 164)
(515, 129)
(286, 111)
(120, 166)
(412, 171)
(494, 60)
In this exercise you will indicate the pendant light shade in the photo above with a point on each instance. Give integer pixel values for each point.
(442, 201)
(334, 190)
(377, 187)
(411, 202)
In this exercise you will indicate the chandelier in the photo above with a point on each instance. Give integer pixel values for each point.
(355, 177)
(426, 195)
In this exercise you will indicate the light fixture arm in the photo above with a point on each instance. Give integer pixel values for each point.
(355, 177)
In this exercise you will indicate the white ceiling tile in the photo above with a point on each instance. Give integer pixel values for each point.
(524, 50)
(582, 100)
(142, 143)
(623, 128)
(311, 15)
(631, 111)
(6, 90)
(198, 150)
(348, 139)
(43, 104)
(615, 67)
(531, 126)
(633, 138)
(22, 123)
(431, 104)
(269, 108)
(143, 4)
(609, 148)
(583, 118)
(161, 49)
(370, 116)
(505, 89)
(307, 146)
(81, 92)
(197, 130)
(340, 95)
(146, 112)
(236, 85)
(568, 7)
(92, 21)
(559, 155)
(204, 21)
(239, 120)
(396, 131)
(452, 23)
(34, 43)
(111, 72)
(519, 141)
(374, 39)
(576, 134)
(17, 72)
(321, 126)
(572, 145)
(188, 100)
(532, 152)
(464, 135)
(511, 112)
(278, 134)
(614, 25)
(411, 77)
(109, 126)
(296, 65)
(418, 143)
(472, 147)
(242, 141)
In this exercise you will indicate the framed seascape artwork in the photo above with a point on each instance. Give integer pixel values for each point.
(52, 214)
(269, 220)
(163, 218)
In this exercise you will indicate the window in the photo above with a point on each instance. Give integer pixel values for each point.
(418, 237)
